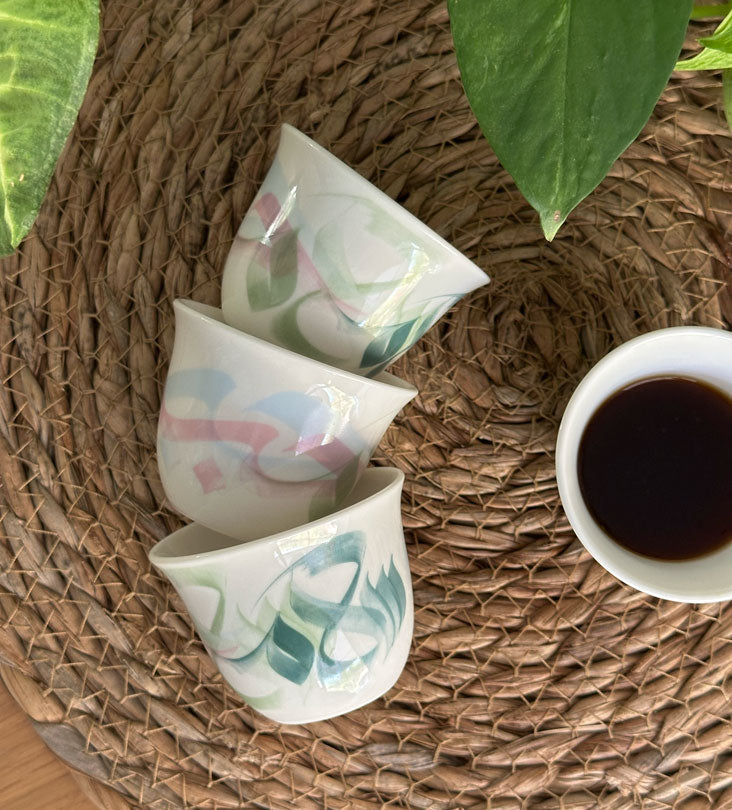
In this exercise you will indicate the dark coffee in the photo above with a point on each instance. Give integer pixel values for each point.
(655, 467)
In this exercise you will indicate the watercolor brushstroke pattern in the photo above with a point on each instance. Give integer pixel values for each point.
(287, 437)
(323, 623)
(282, 276)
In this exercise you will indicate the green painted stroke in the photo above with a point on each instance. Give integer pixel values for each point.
(301, 634)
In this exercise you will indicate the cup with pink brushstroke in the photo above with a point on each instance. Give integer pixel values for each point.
(327, 265)
(253, 437)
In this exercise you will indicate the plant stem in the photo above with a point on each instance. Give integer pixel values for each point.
(720, 10)
(727, 94)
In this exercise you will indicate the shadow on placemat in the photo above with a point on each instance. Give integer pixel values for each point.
(535, 678)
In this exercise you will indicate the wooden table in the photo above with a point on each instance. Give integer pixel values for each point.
(31, 777)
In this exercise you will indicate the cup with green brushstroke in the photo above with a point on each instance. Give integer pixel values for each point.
(309, 623)
(327, 265)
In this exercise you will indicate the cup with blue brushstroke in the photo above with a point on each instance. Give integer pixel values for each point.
(305, 624)
(253, 437)
(327, 265)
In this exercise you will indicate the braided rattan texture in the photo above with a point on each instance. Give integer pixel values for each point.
(535, 680)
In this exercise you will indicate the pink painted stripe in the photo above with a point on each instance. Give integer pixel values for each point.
(209, 476)
(333, 455)
(255, 434)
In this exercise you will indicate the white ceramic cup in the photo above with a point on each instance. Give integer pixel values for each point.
(255, 438)
(327, 265)
(694, 352)
(306, 624)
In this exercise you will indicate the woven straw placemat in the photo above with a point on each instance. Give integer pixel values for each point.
(535, 678)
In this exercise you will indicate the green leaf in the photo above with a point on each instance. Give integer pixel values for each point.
(701, 12)
(708, 59)
(398, 587)
(258, 284)
(727, 94)
(272, 283)
(717, 54)
(377, 606)
(721, 39)
(375, 351)
(561, 87)
(46, 54)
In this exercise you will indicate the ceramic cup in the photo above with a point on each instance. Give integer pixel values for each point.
(255, 438)
(694, 352)
(306, 624)
(328, 266)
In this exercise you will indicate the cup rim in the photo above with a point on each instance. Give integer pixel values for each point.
(386, 201)
(573, 423)
(383, 379)
(394, 479)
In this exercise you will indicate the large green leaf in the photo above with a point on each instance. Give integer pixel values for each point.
(47, 49)
(561, 87)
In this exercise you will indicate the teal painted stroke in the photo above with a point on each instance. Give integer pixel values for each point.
(374, 610)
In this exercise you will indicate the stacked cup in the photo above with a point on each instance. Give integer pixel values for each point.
(295, 571)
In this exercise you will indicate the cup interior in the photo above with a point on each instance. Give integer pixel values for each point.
(698, 353)
(189, 544)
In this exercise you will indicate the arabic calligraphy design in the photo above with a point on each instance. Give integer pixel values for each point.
(286, 437)
(281, 275)
(323, 622)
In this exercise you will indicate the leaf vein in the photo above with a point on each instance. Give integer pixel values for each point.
(34, 91)
(11, 18)
(561, 171)
(4, 185)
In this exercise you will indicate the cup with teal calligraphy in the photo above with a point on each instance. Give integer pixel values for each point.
(253, 437)
(305, 624)
(327, 265)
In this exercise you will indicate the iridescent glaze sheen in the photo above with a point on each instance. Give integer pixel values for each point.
(310, 623)
(251, 434)
(327, 265)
